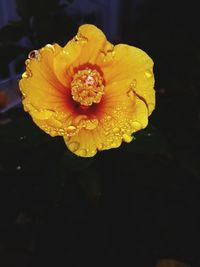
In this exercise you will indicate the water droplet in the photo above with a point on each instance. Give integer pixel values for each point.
(100, 146)
(91, 124)
(148, 74)
(116, 130)
(80, 38)
(18, 168)
(35, 54)
(74, 146)
(50, 47)
(61, 131)
(76, 39)
(136, 125)
(71, 130)
(27, 62)
(127, 138)
(82, 152)
(25, 75)
(80, 118)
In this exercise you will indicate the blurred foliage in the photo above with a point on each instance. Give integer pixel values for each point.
(39, 23)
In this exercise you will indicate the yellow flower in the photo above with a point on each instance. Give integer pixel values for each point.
(92, 93)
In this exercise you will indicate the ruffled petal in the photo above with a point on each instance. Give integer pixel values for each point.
(84, 49)
(127, 91)
(44, 97)
(92, 41)
(128, 62)
(122, 114)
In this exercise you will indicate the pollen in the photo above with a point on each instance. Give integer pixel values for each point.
(87, 87)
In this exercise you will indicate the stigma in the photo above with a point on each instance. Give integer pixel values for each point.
(87, 87)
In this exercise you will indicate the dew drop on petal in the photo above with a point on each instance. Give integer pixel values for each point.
(148, 74)
(74, 146)
(50, 47)
(80, 38)
(91, 124)
(35, 54)
(71, 130)
(127, 138)
(27, 62)
(100, 146)
(82, 152)
(61, 131)
(25, 75)
(116, 130)
(79, 119)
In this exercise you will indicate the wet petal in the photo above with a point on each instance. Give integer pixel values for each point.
(44, 97)
(128, 62)
(93, 94)
(121, 115)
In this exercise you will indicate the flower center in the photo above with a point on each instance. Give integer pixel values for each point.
(87, 87)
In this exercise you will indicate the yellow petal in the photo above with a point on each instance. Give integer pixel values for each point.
(41, 86)
(121, 116)
(84, 49)
(127, 96)
(128, 62)
(92, 40)
(45, 98)
(64, 62)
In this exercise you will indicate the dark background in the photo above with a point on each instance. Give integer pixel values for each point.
(130, 206)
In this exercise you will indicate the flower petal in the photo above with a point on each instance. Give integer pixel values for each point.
(44, 96)
(126, 100)
(40, 85)
(92, 40)
(128, 62)
(64, 62)
(84, 49)
(121, 116)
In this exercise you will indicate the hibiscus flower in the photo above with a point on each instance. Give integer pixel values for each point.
(92, 93)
